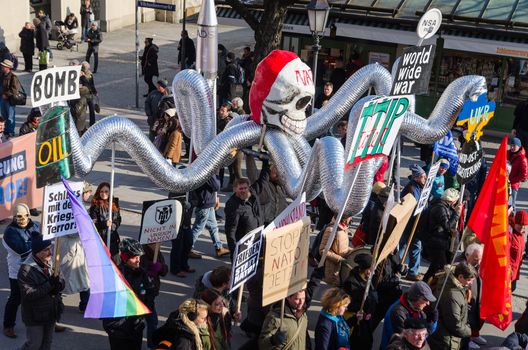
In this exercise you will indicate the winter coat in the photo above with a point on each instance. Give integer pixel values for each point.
(396, 316)
(241, 217)
(217, 325)
(95, 37)
(147, 261)
(41, 37)
(442, 220)
(204, 197)
(329, 331)
(438, 186)
(17, 241)
(272, 196)
(174, 146)
(73, 265)
(517, 246)
(412, 187)
(141, 284)
(87, 80)
(516, 341)
(39, 306)
(166, 102)
(190, 51)
(27, 41)
(519, 168)
(338, 251)
(149, 60)
(10, 86)
(85, 15)
(398, 342)
(203, 283)
(453, 318)
(174, 335)
(100, 215)
(27, 128)
(151, 106)
(71, 25)
(372, 219)
(290, 324)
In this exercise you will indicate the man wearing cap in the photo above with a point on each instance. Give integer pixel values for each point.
(149, 63)
(40, 294)
(442, 220)
(519, 167)
(414, 186)
(10, 87)
(358, 314)
(412, 304)
(439, 183)
(151, 104)
(453, 310)
(17, 242)
(413, 337)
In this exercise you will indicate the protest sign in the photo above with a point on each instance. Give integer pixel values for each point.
(414, 71)
(57, 217)
(378, 126)
(17, 174)
(446, 148)
(426, 191)
(160, 221)
(399, 217)
(293, 212)
(469, 161)
(286, 261)
(429, 23)
(476, 115)
(54, 160)
(55, 84)
(247, 253)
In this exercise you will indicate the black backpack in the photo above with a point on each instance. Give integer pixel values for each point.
(314, 252)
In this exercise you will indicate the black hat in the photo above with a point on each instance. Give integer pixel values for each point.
(363, 260)
(163, 83)
(230, 57)
(421, 289)
(415, 323)
(38, 244)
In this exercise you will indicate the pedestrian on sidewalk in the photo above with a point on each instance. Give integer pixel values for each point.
(40, 295)
(42, 42)
(17, 241)
(149, 64)
(92, 99)
(203, 199)
(152, 102)
(86, 18)
(93, 38)
(10, 87)
(46, 21)
(27, 45)
(186, 51)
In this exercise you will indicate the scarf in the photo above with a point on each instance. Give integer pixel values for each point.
(414, 314)
(343, 331)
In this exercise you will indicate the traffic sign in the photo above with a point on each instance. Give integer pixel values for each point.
(157, 5)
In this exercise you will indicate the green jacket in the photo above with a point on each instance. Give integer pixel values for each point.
(290, 324)
(205, 338)
(453, 318)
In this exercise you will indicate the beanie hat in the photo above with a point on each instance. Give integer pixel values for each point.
(363, 260)
(270, 70)
(38, 244)
(378, 186)
(415, 323)
(521, 218)
(416, 170)
(515, 142)
(444, 163)
(451, 195)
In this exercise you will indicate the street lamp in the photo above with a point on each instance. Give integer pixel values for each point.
(317, 15)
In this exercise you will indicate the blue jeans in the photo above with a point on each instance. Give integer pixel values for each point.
(514, 199)
(205, 218)
(152, 324)
(9, 114)
(414, 252)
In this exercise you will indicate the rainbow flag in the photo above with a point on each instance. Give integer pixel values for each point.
(110, 293)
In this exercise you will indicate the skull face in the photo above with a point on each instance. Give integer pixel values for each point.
(284, 106)
(21, 214)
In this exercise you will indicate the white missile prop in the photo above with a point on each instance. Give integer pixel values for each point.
(207, 52)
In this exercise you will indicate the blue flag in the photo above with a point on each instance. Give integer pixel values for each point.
(446, 148)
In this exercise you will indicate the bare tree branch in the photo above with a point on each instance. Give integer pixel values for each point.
(246, 14)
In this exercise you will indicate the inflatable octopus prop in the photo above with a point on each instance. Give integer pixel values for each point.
(281, 91)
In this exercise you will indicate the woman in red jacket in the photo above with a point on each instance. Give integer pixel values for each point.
(519, 167)
(517, 244)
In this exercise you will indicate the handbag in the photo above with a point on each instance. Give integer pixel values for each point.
(20, 98)
(97, 107)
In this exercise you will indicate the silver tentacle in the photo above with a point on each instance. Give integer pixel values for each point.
(193, 99)
(372, 75)
(87, 149)
(445, 112)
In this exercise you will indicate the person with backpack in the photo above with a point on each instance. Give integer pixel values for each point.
(10, 90)
(229, 79)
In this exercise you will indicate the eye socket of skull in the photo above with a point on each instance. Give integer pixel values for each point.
(303, 102)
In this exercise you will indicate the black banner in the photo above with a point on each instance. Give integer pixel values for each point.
(469, 161)
(414, 71)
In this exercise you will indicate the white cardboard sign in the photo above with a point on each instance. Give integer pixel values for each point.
(426, 191)
(161, 221)
(57, 217)
(55, 85)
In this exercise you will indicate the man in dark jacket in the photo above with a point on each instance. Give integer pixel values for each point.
(453, 310)
(186, 51)
(270, 193)
(414, 186)
(149, 63)
(413, 337)
(27, 45)
(442, 220)
(412, 304)
(86, 13)
(127, 332)
(371, 219)
(40, 293)
(93, 38)
(152, 102)
(228, 79)
(242, 212)
(31, 124)
(203, 199)
(10, 88)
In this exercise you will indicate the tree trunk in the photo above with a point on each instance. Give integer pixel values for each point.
(269, 33)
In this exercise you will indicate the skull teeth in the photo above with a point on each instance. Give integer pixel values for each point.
(294, 126)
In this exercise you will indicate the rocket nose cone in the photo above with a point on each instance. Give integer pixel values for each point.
(207, 16)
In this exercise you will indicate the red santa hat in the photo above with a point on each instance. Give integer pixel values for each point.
(267, 72)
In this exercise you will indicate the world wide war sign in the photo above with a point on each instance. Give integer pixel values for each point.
(286, 261)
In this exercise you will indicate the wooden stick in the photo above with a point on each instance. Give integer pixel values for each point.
(156, 252)
(415, 224)
(56, 260)
(110, 199)
(283, 305)
(239, 298)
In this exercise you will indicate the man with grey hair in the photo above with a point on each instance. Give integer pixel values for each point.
(93, 38)
(473, 256)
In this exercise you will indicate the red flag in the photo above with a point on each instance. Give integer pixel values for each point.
(489, 221)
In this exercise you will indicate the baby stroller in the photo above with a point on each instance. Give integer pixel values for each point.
(65, 38)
